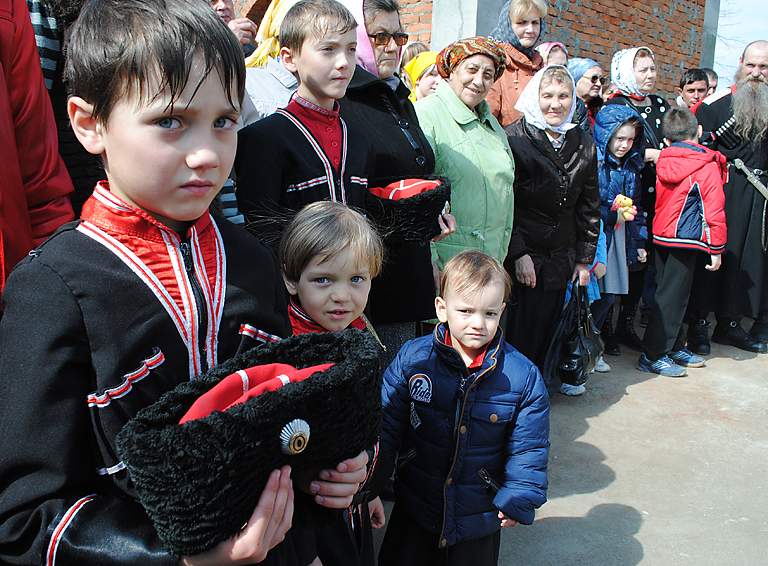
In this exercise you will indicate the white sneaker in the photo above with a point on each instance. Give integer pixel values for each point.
(572, 390)
(601, 366)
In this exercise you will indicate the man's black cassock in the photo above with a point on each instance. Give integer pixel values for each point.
(743, 279)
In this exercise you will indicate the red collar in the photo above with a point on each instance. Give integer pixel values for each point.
(169, 266)
(114, 215)
(301, 323)
(625, 95)
(311, 106)
(323, 124)
(479, 359)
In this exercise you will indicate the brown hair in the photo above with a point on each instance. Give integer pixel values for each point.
(121, 47)
(326, 228)
(314, 17)
(641, 53)
(472, 270)
(679, 124)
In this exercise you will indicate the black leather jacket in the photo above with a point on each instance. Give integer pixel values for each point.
(557, 202)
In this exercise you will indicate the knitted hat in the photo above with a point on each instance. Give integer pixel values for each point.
(200, 481)
(407, 210)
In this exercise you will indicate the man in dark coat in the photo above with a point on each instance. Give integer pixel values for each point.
(736, 123)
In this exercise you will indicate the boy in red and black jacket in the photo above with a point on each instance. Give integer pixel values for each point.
(146, 291)
(690, 217)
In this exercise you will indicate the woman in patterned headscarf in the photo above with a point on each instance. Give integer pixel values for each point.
(470, 149)
(521, 25)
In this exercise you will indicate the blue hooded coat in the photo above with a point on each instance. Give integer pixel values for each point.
(620, 176)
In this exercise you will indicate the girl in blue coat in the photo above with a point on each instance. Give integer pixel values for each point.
(620, 145)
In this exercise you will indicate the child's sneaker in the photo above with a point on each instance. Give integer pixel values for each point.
(687, 359)
(601, 366)
(572, 390)
(663, 366)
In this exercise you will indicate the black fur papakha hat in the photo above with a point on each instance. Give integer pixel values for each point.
(200, 481)
(406, 210)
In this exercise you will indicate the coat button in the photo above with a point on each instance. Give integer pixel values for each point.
(494, 417)
(449, 481)
(443, 543)
(463, 429)
(403, 123)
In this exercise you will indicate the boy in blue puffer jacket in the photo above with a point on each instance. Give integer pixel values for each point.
(620, 148)
(469, 416)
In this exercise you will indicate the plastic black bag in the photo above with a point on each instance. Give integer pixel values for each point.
(576, 344)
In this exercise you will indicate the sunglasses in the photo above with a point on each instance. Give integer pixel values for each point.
(594, 79)
(383, 38)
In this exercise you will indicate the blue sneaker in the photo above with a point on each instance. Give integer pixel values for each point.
(687, 359)
(663, 366)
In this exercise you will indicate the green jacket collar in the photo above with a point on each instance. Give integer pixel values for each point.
(458, 110)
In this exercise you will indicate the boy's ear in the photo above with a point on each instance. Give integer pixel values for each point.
(441, 309)
(87, 130)
(291, 286)
(286, 58)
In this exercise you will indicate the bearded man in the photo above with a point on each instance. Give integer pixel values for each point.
(737, 122)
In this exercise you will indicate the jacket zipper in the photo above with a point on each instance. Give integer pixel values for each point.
(456, 436)
(202, 311)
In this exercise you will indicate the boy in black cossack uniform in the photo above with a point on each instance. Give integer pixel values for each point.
(145, 291)
(305, 152)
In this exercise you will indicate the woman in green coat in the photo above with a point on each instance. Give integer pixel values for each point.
(470, 149)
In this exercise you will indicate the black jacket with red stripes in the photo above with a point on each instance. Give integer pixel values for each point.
(90, 336)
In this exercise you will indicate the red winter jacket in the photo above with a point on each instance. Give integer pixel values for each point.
(34, 183)
(689, 198)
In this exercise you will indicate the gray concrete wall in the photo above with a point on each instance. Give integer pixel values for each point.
(711, 17)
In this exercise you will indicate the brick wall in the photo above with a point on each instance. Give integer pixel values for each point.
(416, 19)
(599, 28)
(591, 28)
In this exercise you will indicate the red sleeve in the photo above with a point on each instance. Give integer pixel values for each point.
(714, 206)
(45, 179)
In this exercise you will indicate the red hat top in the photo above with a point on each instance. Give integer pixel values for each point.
(245, 384)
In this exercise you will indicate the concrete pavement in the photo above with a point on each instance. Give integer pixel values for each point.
(657, 471)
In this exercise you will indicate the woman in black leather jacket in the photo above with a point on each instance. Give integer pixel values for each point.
(557, 216)
(377, 101)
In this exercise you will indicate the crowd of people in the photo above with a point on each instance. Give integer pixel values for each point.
(181, 186)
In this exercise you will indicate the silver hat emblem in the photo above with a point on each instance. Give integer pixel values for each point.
(294, 437)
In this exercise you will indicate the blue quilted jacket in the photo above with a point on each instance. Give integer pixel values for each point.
(474, 441)
(620, 177)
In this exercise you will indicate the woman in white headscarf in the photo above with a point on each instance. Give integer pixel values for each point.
(557, 216)
(633, 74)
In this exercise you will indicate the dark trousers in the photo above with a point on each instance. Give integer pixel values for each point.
(637, 284)
(407, 544)
(703, 290)
(674, 277)
(602, 306)
(532, 317)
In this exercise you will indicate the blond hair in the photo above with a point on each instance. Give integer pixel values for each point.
(325, 229)
(472, 270)
(519, 8)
